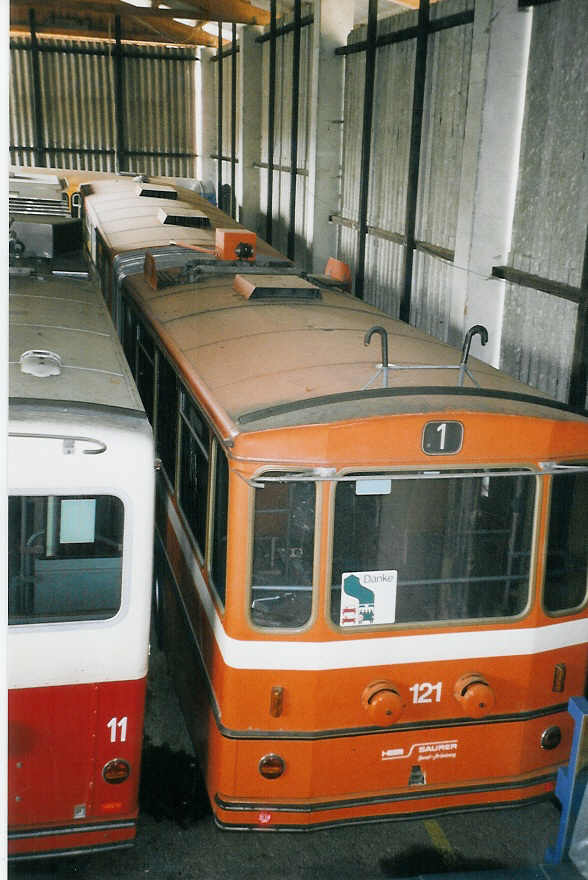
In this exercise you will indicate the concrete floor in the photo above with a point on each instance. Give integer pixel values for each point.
(509, 843)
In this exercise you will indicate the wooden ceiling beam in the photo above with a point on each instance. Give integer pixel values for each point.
(71, 9)
(131, 33)
(98, 24)
(237, 11)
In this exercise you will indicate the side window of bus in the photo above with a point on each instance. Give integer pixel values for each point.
(167, 416)
(129, 336)
(567, 550)
(64, 558)
(283, 552)
(218, 561)
(145, 369)
(194, 467)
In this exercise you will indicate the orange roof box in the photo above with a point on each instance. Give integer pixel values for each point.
(235, 244)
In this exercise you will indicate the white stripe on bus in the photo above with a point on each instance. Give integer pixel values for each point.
(385, 651)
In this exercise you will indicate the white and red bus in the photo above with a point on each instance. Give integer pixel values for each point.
(371, 551)
(80, 520)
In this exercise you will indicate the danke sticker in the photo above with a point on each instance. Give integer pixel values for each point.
(368, 597)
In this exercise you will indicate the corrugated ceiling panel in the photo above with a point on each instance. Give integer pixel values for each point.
(444, 116)
(282, 154)
(549, 230)
(77, 110)
(392, 117)
(351, 162)
(431, 301)
(160, 100)
(538, 339)
(448, 64)
(77, 93)
(550, 217)
(20, 120)
(383, 269)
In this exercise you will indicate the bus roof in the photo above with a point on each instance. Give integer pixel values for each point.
(266, 364)
(66, 318)
(278, 362)
(130, 221)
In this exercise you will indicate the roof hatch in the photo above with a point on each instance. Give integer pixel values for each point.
(275, 287)
(157, 191)
(183, 217)
(40, 363)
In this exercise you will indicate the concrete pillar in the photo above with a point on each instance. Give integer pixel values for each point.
(333, 19)
(490, 164)
(206, 130)
(251, 99)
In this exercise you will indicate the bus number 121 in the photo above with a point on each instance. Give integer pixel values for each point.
(424, 691)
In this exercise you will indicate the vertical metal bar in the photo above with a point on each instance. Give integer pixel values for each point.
(233, 119)
(366, 143)
(294, 130)
(577, 394)
(271, 123)
(38, 143)
(418, 98)
(121, 152)
(219, 121)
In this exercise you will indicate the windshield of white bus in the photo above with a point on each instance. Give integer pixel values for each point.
(64, 558)
(431, 548)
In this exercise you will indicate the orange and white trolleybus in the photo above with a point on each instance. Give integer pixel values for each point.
(80, 519)
(371, 549)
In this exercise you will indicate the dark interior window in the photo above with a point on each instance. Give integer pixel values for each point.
(64, 558)
(283, 551)
(219, 536)
(145, 370)
(567, 549)
(194, 451)
(167, 416)
(129, 336)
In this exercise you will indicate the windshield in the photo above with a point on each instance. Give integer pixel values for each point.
(64, 558)
(283, 551)
(567, 551)
(431, 548)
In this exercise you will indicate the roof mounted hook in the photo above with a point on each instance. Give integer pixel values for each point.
(476, 330)
(383, 334)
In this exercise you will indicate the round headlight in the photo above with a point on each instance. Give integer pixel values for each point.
(271, 766)
(116, 771)
(551, 738)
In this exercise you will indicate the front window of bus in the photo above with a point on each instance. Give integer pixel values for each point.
(431, 548)
(64, 558)
(567, 550)
(283, 552)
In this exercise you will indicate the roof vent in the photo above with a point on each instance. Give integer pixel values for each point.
(156, 191)
(275, 287)
(183, 217)
(40, 363)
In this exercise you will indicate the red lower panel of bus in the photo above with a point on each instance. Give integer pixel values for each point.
(67, 841)
(64, 744)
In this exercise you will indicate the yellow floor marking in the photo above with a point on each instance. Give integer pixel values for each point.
(439, 839)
